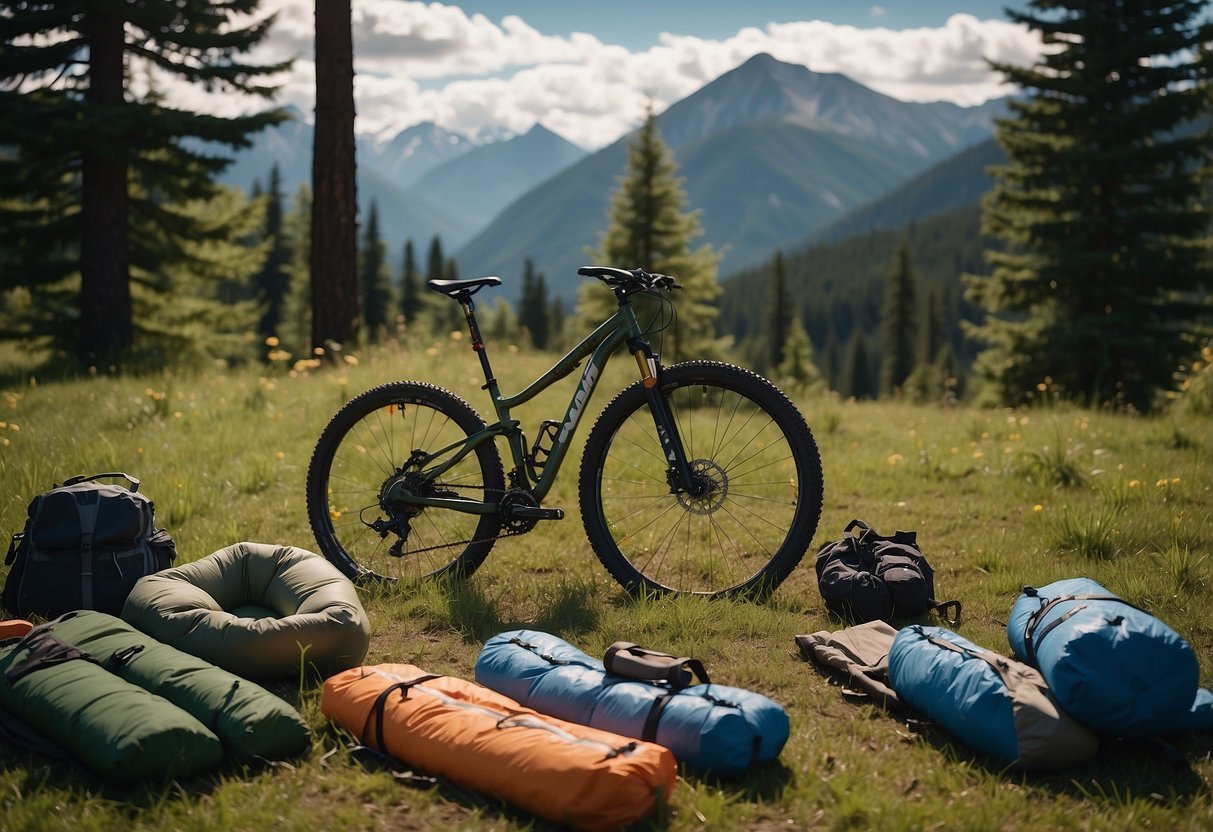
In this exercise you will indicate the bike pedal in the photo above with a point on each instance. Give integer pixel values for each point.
(536, 513)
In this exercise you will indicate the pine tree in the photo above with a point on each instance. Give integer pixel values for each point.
(410, 286)
(650, 229)
(833, 361)
(376, 278)
(500, 323)
(84, 158)
(1100, 205)
(194, 304)
(897, 324)
(779, 312)
(435, 262)
(533, 306)
(336, 301)
(437, 314)
(297, 314)
(557, 319)
(857, 382)
(931, 338)
(798, 370)
(271, 283)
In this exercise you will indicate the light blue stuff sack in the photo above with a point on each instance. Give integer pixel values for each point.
(713, 729)
(990, 703)
(1114, 667)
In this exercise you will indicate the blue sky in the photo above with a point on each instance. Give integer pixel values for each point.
(636, 24)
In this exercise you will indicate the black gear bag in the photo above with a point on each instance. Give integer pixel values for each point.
(84, 545)
(868, 576)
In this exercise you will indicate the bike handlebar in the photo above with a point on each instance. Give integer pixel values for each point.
(629, 278)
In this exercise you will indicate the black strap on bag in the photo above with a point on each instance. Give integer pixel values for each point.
(671, 673)
(45, 650)
(1032, 640)
(377, 709)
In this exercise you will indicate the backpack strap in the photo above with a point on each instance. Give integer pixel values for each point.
(133, 482)
(943, 607)
(1032, 640)
(12, 548)
(87, 505)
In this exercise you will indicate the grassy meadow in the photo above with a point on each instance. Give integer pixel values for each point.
(999, 498)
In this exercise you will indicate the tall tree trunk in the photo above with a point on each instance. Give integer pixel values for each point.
(105, 291)
(334, 259)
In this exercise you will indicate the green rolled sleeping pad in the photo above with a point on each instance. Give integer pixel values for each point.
(132, 709)
(120, 731)
(248, 719)
(257, 610)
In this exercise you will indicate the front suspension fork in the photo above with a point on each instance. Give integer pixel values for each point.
(678, 470)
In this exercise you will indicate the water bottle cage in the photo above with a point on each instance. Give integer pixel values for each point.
(542, 449)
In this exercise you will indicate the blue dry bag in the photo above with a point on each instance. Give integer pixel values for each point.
(1109, 664)
(711, 728)
(989, 702)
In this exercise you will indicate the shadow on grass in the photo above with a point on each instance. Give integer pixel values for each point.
(1124, 770)
(490, 809)
(44, 775)
(567, 610)
(764, 783)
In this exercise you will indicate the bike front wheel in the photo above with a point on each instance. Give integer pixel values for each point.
(395, 435)
(756, 459)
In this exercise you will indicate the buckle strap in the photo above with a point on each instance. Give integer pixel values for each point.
(1032, 640)
(380, 705)
(87, 506)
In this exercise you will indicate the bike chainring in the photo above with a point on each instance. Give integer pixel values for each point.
(517, 497)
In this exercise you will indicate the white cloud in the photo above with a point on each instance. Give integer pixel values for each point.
(426, 61)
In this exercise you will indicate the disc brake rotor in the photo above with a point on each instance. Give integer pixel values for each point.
(713, 485)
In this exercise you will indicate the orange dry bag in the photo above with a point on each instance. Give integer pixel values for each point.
(14, 628)
(481, 740)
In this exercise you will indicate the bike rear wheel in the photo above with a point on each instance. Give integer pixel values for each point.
(754, 453)
(368, 447)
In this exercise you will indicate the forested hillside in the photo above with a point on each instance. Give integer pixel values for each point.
(838, 288)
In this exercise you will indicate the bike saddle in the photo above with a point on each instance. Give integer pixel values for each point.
(471, 285)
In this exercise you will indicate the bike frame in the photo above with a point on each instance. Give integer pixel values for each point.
(621, 328)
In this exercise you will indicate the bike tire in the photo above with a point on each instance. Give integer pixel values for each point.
(749, 532)
(363, 449)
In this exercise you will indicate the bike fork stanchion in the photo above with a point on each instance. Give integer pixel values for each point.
(667, 430)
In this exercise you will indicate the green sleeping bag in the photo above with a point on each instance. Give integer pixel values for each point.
(132, 709)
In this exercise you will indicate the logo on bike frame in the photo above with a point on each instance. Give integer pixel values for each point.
(588, 378)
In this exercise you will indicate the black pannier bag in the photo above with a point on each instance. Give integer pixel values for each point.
(84, 545)
(869, 577)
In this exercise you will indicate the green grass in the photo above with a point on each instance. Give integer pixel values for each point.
(1001, 499)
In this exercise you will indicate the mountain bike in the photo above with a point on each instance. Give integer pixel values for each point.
(699, 478)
